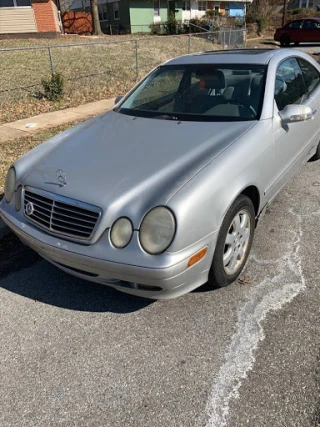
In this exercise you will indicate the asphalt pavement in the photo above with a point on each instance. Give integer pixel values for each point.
(78, 354)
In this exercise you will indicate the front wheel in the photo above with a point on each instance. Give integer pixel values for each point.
(316, 156)
(285, 41)
(234, 243)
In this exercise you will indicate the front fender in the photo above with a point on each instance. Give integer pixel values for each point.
(200, 206)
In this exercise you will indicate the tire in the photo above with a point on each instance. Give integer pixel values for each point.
(239, 221)
(285, 40)
(316, 156)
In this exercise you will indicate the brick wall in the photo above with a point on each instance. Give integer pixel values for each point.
(45, 15)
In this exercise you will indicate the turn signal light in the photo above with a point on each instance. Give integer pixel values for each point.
(197, 257)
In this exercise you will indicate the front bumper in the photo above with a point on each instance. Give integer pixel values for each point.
(162, 276)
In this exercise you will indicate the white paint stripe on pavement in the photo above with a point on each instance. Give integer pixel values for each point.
(269, 295)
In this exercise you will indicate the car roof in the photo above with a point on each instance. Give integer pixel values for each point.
(232, 56)
(315, 18)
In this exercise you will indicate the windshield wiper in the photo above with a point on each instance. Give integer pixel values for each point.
(165, 117)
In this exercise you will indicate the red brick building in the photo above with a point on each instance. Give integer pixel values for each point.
(34, 18)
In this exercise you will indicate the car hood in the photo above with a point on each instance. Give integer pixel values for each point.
(126, 165)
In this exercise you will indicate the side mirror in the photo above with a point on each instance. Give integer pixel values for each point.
(296, 113)
(118, 99)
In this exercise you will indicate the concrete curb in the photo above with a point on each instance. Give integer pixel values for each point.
(31, 125)
(4, 230)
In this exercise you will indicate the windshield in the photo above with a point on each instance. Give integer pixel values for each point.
(197, 92)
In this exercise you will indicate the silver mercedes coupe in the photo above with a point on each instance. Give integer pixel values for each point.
(163, 193)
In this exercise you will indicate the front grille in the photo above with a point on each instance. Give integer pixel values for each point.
(60, 215)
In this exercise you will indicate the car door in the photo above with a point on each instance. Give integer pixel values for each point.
(293, 141)
(311, 77)
(295, 31)
(310, 31)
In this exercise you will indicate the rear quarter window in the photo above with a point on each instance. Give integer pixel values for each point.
(310, 75)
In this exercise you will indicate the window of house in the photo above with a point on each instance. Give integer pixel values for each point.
(116, 12)
(156, 6)
(227, 9)
(15, 3)
(202, 5)
(103, 12)
(186, 5)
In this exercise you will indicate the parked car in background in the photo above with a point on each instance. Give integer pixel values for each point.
(299, 31)
(163, 193)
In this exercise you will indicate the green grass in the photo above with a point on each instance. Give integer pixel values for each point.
(91, 72)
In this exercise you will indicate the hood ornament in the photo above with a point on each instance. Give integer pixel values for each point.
(61, 176)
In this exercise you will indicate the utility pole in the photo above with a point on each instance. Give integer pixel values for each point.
(284, 12)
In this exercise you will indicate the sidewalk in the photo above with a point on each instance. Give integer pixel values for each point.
(25, 127)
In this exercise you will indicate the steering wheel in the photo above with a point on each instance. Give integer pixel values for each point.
(247, 107)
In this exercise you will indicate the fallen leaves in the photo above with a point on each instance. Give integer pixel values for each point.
(244, 281)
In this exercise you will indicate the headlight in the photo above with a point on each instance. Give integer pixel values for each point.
(10, 184)
(121, 233)
(157, 230)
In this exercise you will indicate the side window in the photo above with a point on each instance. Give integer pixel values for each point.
(295, 24)
(310, 74)
(310, 25)
(289, 86)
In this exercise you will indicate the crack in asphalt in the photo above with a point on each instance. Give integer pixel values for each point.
(262, 298)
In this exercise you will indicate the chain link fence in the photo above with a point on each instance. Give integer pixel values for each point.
(92, 71)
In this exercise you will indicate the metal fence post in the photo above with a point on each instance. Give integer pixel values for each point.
(51, 60)
(224, 39)
(137, 59)
(189, 43)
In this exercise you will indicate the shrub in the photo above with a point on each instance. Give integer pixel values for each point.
(212, 13)
(262, 24)
(171, 24)
(53, 87)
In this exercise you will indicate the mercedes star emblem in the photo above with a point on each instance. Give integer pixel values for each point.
(61, 177)
(29, 208)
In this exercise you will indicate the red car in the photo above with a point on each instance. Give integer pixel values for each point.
(298, 31)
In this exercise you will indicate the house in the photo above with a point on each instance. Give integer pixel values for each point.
(139, 14)
(301, 4)
(33, 18)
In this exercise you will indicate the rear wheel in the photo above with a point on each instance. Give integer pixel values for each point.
(285, 40)
(234, 243)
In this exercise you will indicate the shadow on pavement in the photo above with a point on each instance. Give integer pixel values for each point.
(45, 283)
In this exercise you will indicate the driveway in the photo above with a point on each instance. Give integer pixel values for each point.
(77, 354)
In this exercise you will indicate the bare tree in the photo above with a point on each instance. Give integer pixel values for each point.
(96, 28)
(263, 9)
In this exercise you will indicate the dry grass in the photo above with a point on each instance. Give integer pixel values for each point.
(91, 72)
(11, 150)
